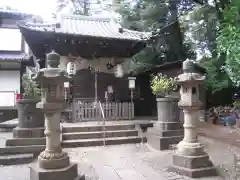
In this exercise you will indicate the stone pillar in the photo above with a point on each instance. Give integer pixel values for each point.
(190, 158)
(168, 130)
(53, 163)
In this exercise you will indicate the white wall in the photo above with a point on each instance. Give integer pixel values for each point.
(10, 81)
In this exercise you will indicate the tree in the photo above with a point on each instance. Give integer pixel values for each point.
(83, 7)
(160, 18)
(228, 39)
(203, 27)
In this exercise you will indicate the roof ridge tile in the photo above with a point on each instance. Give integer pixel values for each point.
(87, 26)
(87, 18)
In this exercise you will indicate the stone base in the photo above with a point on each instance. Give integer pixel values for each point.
(53, 163)
(163, 140)
(168, 126)
(68, 173)
(193, 166)
(28, 132)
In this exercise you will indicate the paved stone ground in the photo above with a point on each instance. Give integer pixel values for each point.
(130, 162)
(229, 135)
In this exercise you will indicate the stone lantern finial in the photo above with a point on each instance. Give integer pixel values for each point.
(188, 66)
(53, 59)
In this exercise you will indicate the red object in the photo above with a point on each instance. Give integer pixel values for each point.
(18, 97)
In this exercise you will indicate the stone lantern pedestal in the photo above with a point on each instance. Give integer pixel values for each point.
(190, 158)
(168, 129)
(53, 163)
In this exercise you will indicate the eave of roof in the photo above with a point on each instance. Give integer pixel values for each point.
(178, 63)
(14, 57)
(86, 27)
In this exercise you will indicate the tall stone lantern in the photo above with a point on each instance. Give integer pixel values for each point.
(190, 158)
(53, 163)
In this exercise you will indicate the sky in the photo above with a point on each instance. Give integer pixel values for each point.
(45, 8)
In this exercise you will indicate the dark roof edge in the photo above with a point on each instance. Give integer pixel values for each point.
(168, 64)
(198, 67)
(22, 26)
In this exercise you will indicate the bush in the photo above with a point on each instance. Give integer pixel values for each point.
(162, 85)
(31, 90)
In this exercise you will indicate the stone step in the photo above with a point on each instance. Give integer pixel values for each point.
(25, 141)
(16, 159)
(100, 141)
(99, 134)
(68, 129)
(36, 149)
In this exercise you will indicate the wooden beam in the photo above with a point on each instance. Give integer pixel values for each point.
(10, 69)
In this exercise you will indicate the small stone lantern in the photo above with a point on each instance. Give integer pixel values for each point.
(53, 163)
(190, 158)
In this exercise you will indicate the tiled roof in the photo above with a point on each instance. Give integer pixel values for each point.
(12, 57)
(86, 26)
(13, 12)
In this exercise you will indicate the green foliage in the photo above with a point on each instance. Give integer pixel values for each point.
(229, 40)
(236, 103)
(162, 85)
(160, 18)
(204, 32)
(216, 78)
(200, 31)
(31, 90)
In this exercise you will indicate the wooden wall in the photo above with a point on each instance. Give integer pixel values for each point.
(84, 85)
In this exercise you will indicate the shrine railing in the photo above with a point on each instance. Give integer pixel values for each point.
(86, 111)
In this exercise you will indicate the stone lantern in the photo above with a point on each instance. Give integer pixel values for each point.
(53, 163)
(190, 158)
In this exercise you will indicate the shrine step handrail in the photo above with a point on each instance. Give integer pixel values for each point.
(104, 129)
(101, 108)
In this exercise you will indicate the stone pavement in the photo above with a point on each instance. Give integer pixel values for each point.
(221, 133)
(133, 162)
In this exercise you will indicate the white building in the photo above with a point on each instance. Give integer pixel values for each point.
(13, 50)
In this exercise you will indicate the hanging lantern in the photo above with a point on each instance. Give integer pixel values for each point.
(71, 68)
(119, 71)
(110, 89)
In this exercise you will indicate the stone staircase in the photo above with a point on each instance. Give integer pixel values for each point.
(21, 150)
(25, 150)
(99, 135)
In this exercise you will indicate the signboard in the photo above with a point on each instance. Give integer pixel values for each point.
(7, 99)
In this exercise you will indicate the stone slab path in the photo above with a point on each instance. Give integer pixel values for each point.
(133, 162)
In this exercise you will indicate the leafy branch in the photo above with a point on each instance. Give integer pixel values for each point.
(31, 90)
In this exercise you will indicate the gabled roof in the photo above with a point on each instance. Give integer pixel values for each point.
(86, 26)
